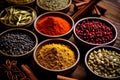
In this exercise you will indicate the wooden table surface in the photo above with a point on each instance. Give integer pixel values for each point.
(112, 14)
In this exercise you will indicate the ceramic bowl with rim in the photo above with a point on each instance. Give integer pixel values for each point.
(61, 41)
(17, 17)
(103, 62)
(17, 43)
(52, 6)
(20, 2)
(61, 15)
(94, 31)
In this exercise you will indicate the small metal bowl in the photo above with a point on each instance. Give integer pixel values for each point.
(17, 43)
(9, 10)
(87, 44)
(57, 41)
(66, 17)
(63, 9)
(92, 74)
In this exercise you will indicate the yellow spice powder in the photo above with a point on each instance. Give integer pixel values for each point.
(56, 56)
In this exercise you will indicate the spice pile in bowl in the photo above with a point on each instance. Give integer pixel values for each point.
(17, 42)
(104, 62)
(56, 55)
(54, 24)
(54, 5)
(20, 2)
(17, 16)
(94, 31)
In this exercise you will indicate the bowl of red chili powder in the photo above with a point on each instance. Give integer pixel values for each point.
(94, 31)
(54, 25)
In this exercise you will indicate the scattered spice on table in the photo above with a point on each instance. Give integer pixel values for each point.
(11, 70)
(105, 62)
(16, 43)
(53, 4)
(52, 25)
(16, 16)
(55, 56)
(94, 31)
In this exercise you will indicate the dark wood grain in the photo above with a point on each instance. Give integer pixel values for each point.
(81, 12)
(112, 14)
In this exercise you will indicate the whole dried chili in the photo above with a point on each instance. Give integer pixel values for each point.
(94, 31)
(52, 25)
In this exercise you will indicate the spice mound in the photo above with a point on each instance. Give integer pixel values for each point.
(94, 31)
(52, 25)
(105, 62)
(19, 1)
(53, 4)
(16, 43)
(56, 56)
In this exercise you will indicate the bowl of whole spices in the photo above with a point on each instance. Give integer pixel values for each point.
(94, 31)
(17, 43)
(17, 17)
(103, 62)
(54, 5)
(56, 55)
(20, 2)
(54, 25)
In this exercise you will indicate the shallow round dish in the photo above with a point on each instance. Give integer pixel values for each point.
(108, 58)
(94, 31)
(65, 42)
(17, 43)
(20, 2)
(52, 5)
(61, 15)
(17, 17)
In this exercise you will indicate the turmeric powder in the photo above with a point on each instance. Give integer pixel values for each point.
(52, 25)
(56, 56)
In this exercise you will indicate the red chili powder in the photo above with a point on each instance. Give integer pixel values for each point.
(52, 25)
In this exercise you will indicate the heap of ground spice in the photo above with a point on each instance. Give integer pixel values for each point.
(52, 25)
(56, 56)
(53, 4)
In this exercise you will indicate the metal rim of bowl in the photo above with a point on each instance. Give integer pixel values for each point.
(22, 29)
(47, 13)
(18, 6)
(99, 47)
(70, 2)
(60, 39)
(96, 18)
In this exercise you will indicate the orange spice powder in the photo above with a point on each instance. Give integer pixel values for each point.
(52, 25)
